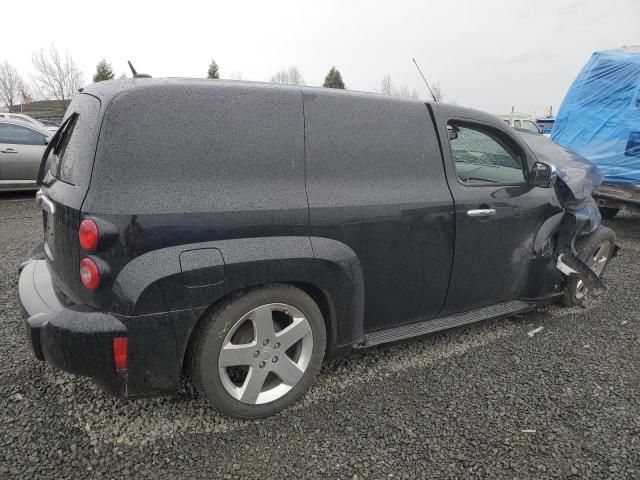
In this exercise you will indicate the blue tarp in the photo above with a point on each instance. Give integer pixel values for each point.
(600, 116)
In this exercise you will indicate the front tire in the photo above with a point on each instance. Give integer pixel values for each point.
(595, 249)
(259, 351)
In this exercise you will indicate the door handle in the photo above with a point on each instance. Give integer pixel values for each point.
(482, 212)
(8, 150)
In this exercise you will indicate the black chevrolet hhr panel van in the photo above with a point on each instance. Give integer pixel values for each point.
(244, 232)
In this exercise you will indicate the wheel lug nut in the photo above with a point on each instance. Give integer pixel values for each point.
(262, 364)
(274, 359)
(277, 345)
(256, 354)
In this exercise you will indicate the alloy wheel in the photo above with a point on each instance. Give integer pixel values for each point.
(265, 353)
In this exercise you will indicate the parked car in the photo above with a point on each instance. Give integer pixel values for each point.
(521, 121)
(546, 124)
(267, 228)
(28, 120)
(612, 197)
(21, 148)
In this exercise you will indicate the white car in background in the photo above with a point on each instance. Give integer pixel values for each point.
(20, 117)
(521, 121)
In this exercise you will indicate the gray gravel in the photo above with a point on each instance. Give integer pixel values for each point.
(489, 401)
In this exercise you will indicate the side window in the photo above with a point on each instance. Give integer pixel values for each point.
(481, 156)
(529, 125)
(5, 135)
(517, 124)
(18, 135)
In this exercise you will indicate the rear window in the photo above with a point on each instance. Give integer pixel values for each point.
(72, 158)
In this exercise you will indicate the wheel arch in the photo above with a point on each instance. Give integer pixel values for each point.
(327, 270)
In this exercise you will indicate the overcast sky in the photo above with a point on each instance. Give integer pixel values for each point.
(485, 54)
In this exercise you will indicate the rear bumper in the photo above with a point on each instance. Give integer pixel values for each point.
(79, 340)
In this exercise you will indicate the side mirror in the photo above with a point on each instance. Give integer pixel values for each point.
(542, 175)
(47, 140)
(452, 131)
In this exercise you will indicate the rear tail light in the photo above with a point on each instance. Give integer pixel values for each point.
(120, 353)
(89, 273)
(88, 235)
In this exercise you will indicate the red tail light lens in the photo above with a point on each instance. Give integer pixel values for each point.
(89, 235)
(89, 273)
(120, 353)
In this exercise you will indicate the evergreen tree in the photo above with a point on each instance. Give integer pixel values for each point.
(103, 72)
(333, 79)
(213, 70)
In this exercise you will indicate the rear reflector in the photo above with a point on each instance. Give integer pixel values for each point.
(120, 352)
(89, 274)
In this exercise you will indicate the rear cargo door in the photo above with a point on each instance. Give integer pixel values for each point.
(68, 172)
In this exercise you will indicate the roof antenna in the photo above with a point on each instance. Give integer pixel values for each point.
(421, 74)
(139, 75)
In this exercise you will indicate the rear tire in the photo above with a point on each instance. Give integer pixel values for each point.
(595, 250)
(608, 213)
(259, 351)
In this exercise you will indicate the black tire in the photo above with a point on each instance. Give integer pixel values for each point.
(209, 338)
(608, 213)
(586, 247)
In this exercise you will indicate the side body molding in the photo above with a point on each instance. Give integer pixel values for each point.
(157, 278)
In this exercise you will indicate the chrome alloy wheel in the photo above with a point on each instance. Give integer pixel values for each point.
(265, 353)
(596, 262)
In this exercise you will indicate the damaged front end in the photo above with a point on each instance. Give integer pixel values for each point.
(577, 179)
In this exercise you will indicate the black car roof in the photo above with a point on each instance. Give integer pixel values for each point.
(107, 90)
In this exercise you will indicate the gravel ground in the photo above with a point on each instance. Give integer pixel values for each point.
(488, 401)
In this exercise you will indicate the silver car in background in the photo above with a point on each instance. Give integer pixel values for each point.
(21, 148)
(22, 118)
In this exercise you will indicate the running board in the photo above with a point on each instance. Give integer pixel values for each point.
(443, 323)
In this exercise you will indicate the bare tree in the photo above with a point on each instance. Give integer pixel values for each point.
(386, 88)
(57, 76)
(437, 91)
(281, 77)
(295, 77)
(237, 75)
(406, 93)
(11, 84)
(292, 76)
